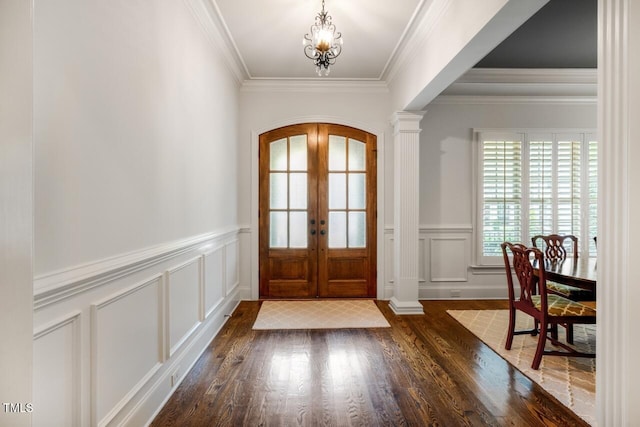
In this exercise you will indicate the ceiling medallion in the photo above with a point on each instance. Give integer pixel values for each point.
(323, 44)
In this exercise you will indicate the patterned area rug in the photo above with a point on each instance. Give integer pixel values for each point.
(319, 314)
(571, 380)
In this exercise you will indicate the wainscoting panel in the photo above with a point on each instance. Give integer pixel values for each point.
(445, 271)
(448, 261)
(56, 387)
(183, 284)
(213, 276)
(128, 320)
(232, 266)
(113, 339)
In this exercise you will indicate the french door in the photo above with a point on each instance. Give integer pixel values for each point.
(317, 223)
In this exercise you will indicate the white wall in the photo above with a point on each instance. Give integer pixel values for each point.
(135, 130)
(269, 105)
(136, 218)
(446, 182)
(16, 207)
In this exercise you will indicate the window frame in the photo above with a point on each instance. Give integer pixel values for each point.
(525, 136)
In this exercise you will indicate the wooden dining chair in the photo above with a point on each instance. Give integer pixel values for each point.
(555, 250)
(548, 310)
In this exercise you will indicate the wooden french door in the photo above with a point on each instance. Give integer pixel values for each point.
(317, 212)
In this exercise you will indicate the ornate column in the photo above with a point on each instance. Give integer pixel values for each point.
(617, 369)
(406, 198)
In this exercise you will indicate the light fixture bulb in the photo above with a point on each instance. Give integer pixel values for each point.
(324, 40)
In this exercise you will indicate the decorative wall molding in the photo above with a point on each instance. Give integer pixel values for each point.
(437, 228)
(184, 289)
(514, 100)
(42, 393)
(523, 85)
(208, 15)
(232, 266)
(443, 275)
(448, 260)
(100, 355)
(59, 285)
(418, 29)
(143, 369)
(559, 76)
(367, 86)
(212, 274)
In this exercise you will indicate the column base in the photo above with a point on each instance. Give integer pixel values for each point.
(406, 307)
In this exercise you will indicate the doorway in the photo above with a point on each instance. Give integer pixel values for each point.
(317, 212)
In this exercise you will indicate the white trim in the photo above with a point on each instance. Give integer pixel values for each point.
(463, 254)
(94, 309)
(553, 85)
(73, 320)
(314, 86)
(617, 370)
(208, 15)
(170, 350)
(380, 143)
(63, 284)
(531, 75)
(406, 307)
(510, 99)
(421, 25)
(214, 307)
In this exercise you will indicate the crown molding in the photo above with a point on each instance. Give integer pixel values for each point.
(505, 99)
(315, 85)
(530, 75)
(209, 17)
(576, 85)
(420, 26)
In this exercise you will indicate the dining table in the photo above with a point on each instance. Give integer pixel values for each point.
(579, 272)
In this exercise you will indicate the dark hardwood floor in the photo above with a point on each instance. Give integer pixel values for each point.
(424, 370)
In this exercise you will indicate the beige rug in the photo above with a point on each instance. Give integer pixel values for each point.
(319, 314)
(571, 380)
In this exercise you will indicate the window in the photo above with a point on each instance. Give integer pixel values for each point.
(535, 183)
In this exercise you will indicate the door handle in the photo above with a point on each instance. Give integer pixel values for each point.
(313, 232)
(313, 221)
(323, 232)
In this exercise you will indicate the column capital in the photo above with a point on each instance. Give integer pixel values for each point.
(407, 121)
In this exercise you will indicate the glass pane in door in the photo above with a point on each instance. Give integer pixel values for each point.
(357, 191)
(288, 192)
(357, 155)
(347, 193)
(357, 229)
(337, 153)
(337, 230)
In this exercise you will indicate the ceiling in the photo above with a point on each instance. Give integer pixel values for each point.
(268, 36)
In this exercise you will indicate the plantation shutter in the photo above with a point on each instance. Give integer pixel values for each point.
(502, 193)
(533, 184)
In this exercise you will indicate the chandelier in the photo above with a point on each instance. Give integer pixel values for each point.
(323, 44)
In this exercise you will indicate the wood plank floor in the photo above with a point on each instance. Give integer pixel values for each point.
(424, 370)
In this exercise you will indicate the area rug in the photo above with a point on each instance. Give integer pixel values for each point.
(571, 380)
(319, 314)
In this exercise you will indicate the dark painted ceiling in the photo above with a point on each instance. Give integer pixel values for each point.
(563, 34)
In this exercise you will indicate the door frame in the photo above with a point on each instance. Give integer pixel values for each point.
(383, 291)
